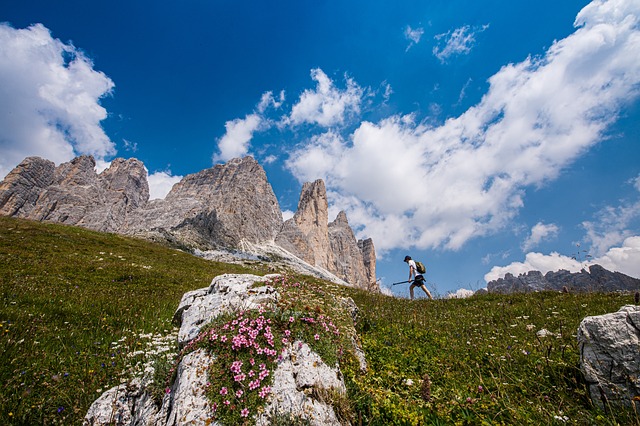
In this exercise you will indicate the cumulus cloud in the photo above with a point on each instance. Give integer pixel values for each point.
(457, 42)
(539, 233)
(413, 35)
(49, 99)
(327, 105)
(160, 183)
(406, 183)
(462, 293)
(235, 142)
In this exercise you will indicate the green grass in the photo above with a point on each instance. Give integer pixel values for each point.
(68, 294)
(481, 358)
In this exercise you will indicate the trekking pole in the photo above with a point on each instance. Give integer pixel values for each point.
(401, 282)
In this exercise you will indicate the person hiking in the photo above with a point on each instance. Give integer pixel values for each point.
(418, 279)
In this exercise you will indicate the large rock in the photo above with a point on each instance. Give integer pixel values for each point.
(299, 371)
(610, 357)
(596, 278)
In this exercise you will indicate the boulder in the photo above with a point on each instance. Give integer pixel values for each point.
(299, 380)
(610, 357)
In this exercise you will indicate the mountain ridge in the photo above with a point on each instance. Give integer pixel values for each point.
(230, 206)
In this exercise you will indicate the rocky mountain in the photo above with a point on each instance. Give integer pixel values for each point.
(331, 246)
(229, 207)
(596, 278)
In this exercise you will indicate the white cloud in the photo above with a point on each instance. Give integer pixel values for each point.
(462, 293)
(235, 142)
(49, 99)
(160, 183)
(612, 225)
(457, 42)
(624, 259)
(413, 35)
(268, 100)
(327, 105)
(536, 262)
(539, 233)
(404, 183)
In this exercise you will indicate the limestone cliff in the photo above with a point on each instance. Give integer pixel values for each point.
(330, 246)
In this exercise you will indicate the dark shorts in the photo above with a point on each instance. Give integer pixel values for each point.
(418, 281)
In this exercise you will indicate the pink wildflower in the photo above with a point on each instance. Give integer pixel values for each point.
(264, 391)
(223, 391)
(239, 393)
(245, 412)
(317, 337)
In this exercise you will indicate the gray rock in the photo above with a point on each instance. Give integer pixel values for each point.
(347, 260)
(227, 293)
(299, 375)
(20, 189)
(610, 357)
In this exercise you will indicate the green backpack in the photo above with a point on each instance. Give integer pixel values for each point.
(420, 267)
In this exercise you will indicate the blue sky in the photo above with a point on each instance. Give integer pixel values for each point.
(479, 137)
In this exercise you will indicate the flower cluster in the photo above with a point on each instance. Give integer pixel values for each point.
(248, 345)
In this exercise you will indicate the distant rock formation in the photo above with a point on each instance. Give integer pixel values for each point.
(609, 357)
(229, 206)
(332, 246)
(595, 279)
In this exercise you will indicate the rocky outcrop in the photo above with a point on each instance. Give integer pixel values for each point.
(299, 369)
(309, 226)
(595, 279)
(229, 206)
(217, 207)
(610, 357)
(73, 193)
(331, 246)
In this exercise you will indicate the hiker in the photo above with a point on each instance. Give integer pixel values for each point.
(418, 279)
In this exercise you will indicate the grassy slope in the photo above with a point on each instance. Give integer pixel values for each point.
(68, 293)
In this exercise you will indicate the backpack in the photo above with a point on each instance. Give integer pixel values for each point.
(420, 267)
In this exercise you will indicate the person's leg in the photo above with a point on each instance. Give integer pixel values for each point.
(411, 290)
(424, 288)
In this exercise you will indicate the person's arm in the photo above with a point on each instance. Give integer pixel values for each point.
(411, 272)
